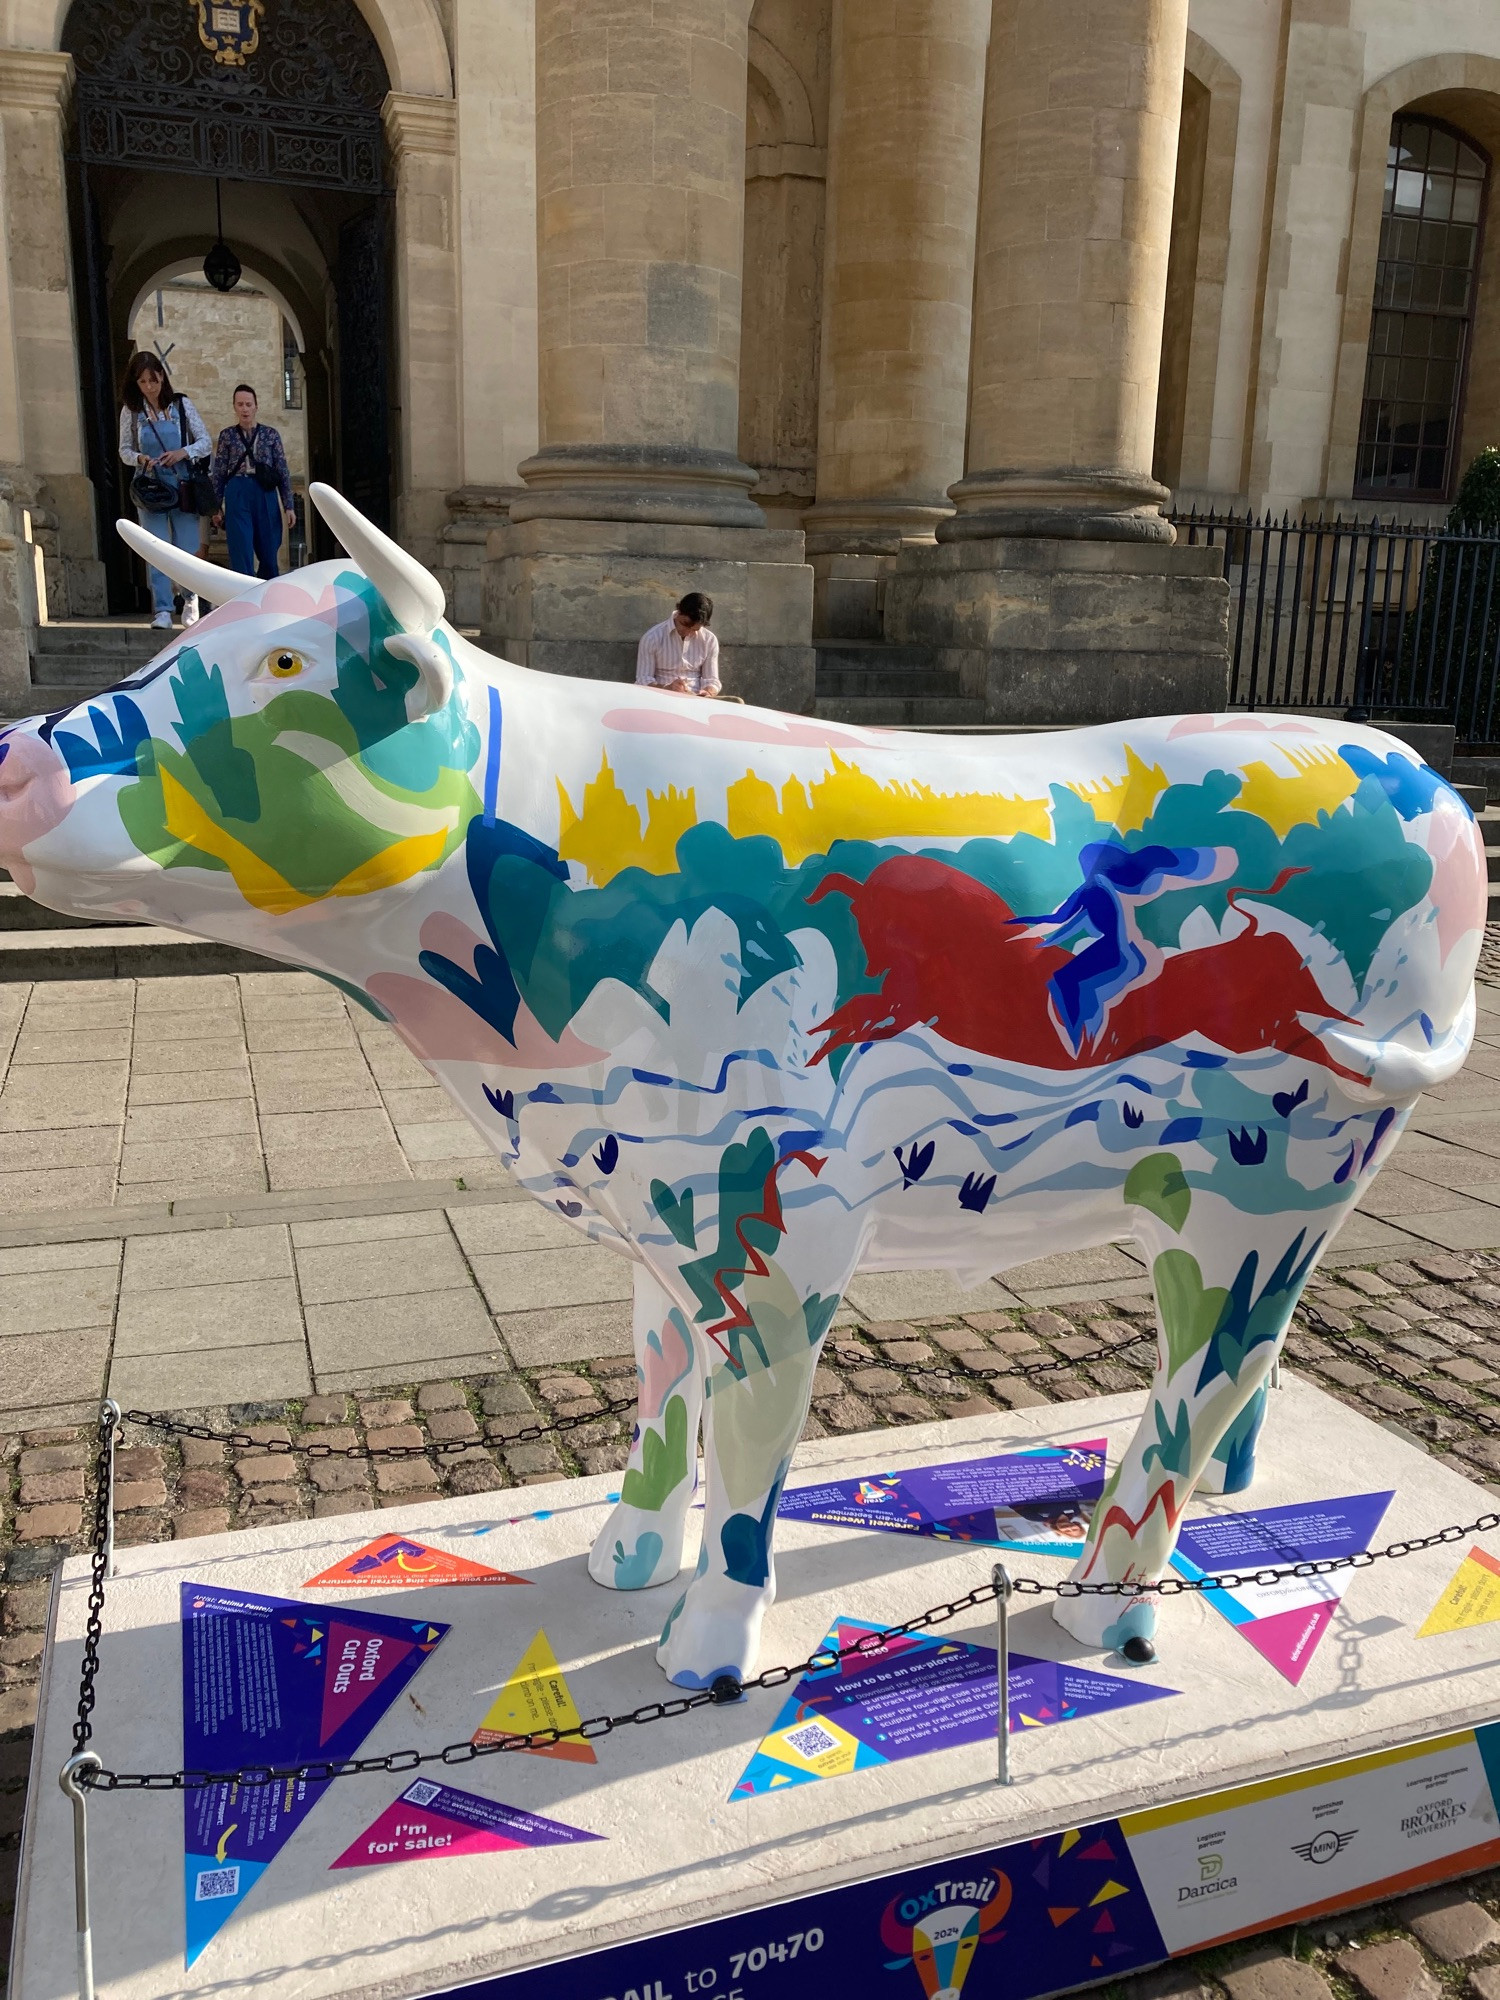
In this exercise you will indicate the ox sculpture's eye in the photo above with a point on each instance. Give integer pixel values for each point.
(283, 664)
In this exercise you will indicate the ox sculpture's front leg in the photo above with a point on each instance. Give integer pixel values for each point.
(1226, 1285)
(641, 1542)
(783, 1290)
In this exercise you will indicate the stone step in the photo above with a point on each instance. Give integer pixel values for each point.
(19, 913)
(880, 670)
(99, 638)
(120, 951)
(1475, 797)
(42, 698)
(900, 711)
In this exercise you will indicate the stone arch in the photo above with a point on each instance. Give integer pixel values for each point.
(164, 270)
(1197, 268)
(409, 33)
(782, 92)
(1465, 91)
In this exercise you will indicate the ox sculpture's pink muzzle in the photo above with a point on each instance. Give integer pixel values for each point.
(36, 794)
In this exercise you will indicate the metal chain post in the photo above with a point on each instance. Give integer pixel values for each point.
(1000, 1577)
(68, 1778)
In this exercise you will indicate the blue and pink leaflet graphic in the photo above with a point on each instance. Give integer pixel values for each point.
(1038, 1501)
(269, 1681)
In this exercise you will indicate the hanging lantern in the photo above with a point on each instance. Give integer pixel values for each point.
(221, 267)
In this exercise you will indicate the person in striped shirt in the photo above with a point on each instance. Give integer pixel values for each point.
(681, 654)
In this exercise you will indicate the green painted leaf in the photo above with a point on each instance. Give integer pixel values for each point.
(1190, 1313)
(1159, 1185)
(664, 1461)
(676, 1214)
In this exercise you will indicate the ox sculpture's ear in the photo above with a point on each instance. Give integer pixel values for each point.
(203, 579)
(415, 597)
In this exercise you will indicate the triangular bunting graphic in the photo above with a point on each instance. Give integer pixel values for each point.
(1288, 1639)
(1060, 1917)
(431, 1821)
(255, 1692)
(1471, 1598)
(1100, 1851)
(393, 1562)
(1107, 1894)
(536, 1697)
(1285, 1619)
(1104, 1921)
(1068, 1840)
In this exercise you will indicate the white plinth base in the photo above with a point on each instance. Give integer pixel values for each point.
(1385, 1807)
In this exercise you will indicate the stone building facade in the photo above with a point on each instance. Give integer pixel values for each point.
(888, 322)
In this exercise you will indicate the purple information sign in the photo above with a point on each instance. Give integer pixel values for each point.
(269, 1681)
(916, 1695)
(1037, 1501)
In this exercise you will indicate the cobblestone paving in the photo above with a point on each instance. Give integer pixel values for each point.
(1433, 1321)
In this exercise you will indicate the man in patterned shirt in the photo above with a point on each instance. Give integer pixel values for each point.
(681, 654)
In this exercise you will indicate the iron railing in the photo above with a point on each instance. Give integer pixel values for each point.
(1367, 618)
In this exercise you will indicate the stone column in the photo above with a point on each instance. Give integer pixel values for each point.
(422, 133)
(1055, 589)
(906, 114)
(640, 137)
(636, 492)
(1081, 115)
(34, 90)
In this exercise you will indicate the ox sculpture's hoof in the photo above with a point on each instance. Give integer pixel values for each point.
(1117, 1624)
(637, 1549)
(713, 1632)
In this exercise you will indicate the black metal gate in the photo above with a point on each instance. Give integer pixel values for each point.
(298, 104)
(1368, 618)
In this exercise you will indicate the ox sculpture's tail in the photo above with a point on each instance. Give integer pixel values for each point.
(1431, 1043)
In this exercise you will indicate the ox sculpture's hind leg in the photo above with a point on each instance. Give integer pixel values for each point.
(1226, 1285)
(641, 1542)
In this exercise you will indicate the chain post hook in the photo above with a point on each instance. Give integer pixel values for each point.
(69, 1780)
(110, 1419)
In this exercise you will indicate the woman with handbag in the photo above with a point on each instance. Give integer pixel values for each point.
(165, 442)
(253, 485)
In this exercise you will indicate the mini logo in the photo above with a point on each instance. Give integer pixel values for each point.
(1210, 1866)
(1324, 1845)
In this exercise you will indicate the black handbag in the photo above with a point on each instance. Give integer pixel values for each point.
(195, 493)
(149, 487)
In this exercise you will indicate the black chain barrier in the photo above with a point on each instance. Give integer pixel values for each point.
(724, 1690)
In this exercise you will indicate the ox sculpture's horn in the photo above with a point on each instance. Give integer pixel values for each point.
(414, 597)
(203, 579)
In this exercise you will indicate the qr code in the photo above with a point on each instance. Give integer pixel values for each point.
(216, 1882)
(421, 1793)
(811, 1739)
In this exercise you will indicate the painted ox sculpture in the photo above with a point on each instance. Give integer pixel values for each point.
(760, 1002)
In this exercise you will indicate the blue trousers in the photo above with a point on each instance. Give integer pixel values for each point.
(176, 527)
(252, 522)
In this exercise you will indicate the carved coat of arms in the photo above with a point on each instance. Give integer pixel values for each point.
(230, 28)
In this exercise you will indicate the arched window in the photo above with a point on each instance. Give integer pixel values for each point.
(1424, 302)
